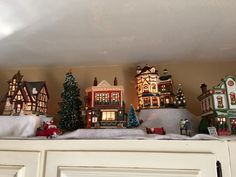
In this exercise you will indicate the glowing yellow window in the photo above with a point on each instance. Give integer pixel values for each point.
(108, 116)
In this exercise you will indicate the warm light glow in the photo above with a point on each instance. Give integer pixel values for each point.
(167, 101)
(108, 116)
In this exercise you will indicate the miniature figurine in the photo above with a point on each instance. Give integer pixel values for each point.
(49, 129)
(185, 127)
(159, 131)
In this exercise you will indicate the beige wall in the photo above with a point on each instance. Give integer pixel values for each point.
(189, 74)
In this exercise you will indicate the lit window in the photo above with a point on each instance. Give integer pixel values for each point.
(145, 88)
(220, 101)
(115, 97)
(108, 116)
(232, 98)
(154, 88)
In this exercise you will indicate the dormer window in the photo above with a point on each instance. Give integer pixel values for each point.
(34, 91)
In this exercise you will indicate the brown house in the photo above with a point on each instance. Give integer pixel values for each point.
(24, 98)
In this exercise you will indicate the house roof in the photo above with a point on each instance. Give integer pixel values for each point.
(38, 85)
(104, 86)
(147, 68)
(165, 75)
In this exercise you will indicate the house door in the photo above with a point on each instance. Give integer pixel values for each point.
(18, 106)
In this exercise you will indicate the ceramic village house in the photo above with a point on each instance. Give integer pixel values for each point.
(154, 91)
(104, 104)
(25, 98)
(218, 105)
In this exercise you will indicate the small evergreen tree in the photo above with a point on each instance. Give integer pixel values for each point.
(70, 106)
(180, 98)
(132, 118)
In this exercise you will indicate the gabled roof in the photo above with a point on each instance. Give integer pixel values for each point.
(227, 77)
(103, 83)
(147, 69)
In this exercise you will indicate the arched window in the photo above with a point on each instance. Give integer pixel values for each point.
(154, 88)
(145, 88)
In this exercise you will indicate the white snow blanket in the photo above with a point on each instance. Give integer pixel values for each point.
(102, 133)
(169, 119)
(128, 134)
(18, 126)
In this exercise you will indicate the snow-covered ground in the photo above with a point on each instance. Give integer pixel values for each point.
(168, 118)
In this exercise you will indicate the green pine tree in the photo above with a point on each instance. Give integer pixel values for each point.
(132, 118)
(70, 106)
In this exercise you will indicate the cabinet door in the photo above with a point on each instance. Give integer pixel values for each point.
(232, 151)
(129, 164)
(19, 164)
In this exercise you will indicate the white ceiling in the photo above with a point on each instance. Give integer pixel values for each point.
(108, 32)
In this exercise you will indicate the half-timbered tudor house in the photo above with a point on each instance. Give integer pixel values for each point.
(24, 98)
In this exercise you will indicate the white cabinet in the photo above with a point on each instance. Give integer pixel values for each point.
(132, 164)
(232, 152)
(19, 164)
(115, 158)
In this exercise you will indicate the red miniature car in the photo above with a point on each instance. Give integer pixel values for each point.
(157, 130)
(49, 129)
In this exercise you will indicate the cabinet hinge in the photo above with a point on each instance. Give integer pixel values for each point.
(219, 169)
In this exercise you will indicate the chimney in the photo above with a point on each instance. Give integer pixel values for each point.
(115, 81)
(138, 70)
(95, 82)
(204, 88)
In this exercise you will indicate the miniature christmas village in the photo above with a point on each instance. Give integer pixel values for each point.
(104, 106)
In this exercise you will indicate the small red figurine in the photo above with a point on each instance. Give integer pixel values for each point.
(159, 131)
(48, 129)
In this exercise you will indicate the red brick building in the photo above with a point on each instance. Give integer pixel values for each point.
(105, 105)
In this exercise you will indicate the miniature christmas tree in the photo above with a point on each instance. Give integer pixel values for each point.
(70, 107)
(180, 98)
(132, 118)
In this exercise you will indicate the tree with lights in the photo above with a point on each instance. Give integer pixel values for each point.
(132, 118)
(70, 106)
(180, 98)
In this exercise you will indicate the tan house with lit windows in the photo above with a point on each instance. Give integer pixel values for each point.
(147, 80)
(24, 98)
(104, 105)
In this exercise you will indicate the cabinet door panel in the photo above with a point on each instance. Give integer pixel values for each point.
(19, 164)
(232, 151)
(118, 172)
(131, 164)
